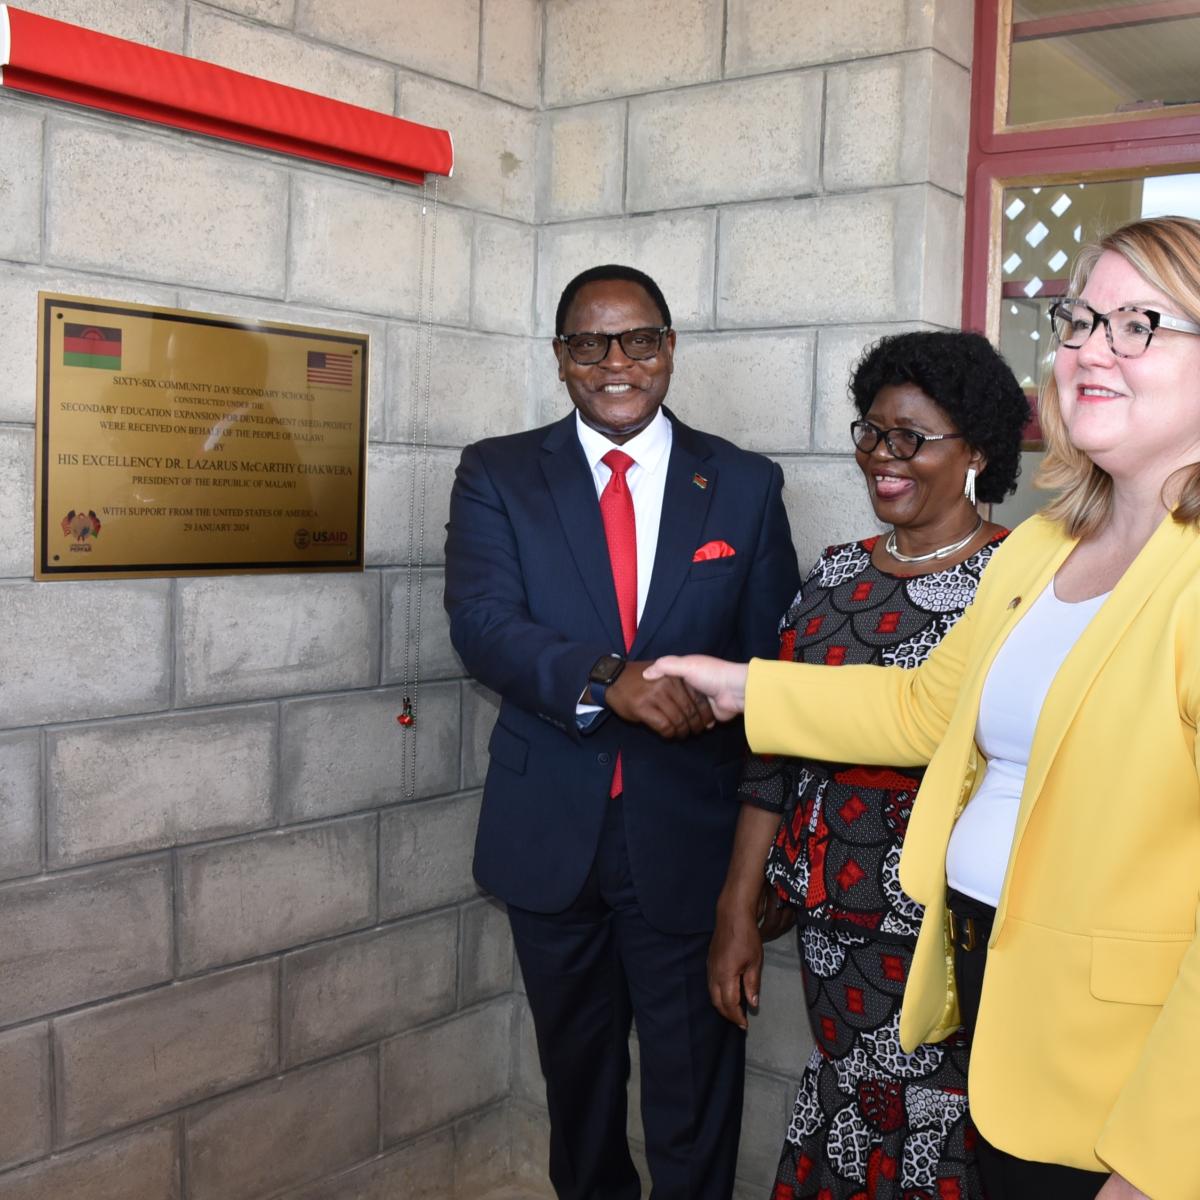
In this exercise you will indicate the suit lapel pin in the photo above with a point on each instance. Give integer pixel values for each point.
(700, 481)
(1014, 602)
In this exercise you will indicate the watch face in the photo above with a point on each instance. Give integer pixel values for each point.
(607, 669)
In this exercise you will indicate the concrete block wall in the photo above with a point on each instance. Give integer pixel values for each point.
(792, 172)
(237, 960)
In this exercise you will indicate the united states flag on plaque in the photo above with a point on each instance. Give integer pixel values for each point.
(330, 370)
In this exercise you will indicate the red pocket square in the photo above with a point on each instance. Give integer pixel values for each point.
(713, 550)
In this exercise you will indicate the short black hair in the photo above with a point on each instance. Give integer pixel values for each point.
(964, 375)
(602, 275)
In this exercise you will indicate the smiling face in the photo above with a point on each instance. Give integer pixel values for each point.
(1133, 417)
(619, 396)
(922, 495)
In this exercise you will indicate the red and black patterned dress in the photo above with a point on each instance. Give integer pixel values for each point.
(870, 1122)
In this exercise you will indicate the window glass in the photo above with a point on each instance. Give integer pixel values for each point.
(1042, 228)
(1072, 60)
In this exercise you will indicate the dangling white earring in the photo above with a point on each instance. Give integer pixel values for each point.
(969, 489)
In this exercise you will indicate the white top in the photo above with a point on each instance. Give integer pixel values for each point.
(1013, 695)
(647, 479)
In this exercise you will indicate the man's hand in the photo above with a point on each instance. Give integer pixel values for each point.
(735, 957)
(668, 706)
(723, 683)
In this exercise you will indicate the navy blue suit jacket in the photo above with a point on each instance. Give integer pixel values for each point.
(532, 606)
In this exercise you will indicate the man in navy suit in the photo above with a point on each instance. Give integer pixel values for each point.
(576, 555)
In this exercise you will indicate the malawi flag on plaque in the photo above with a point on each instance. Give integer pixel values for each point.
(92, 346)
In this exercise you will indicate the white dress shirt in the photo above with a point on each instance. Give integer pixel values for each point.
(647, 479)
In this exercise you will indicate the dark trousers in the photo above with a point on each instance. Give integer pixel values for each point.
(1005, 1177)
(588, 971)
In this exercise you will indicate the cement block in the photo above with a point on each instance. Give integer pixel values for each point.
(826, 501)
(902, 119)
(753, 388)
(437, 1073)
(677, 250)
(251, 636)
(733, 141)
(72, 938)
(20, 805)
(767, 1108)
(240, 899)
(503, 261)
(437, 658)
(290, 314)
(583, 152)
(164, 211)
(578, 65)
(143, 1165)
(877, 256)
(360, 989)
(342, 753)
(479, 709)
(358, 246)
(483, 1152)
(154, 22)
(20, 183)
(779, 1040)
(438, 37)
(767, 35)
(527, 1080)
(16, 502)
(122, 1062)
(131, 786)
(296, 62)
(838, 353)
(425, 855)
(25, 1097)
(477, 384)
(274, 12)
(389, 502)
(49, 677)
(493, 146)
(18, 325)
(510, 58)
(531, 1143)
(419, 1171)
(286, 1131)
(487, 951)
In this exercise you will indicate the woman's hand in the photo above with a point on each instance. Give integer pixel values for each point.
(724, 683)
(775, 916)
(1119, 1188)
(735, 957)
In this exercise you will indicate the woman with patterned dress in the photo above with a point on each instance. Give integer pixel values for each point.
(940, 426)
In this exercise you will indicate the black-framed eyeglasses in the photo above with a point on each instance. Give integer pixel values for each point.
(1128, 328)
(588, 349)
(901, 443)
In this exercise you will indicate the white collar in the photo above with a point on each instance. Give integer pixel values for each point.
(647, 448)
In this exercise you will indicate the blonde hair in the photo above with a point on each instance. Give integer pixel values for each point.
(1165, 251)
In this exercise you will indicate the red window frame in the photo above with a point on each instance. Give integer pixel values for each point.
(1117, 148)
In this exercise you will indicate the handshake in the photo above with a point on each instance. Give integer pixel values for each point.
(679, 696)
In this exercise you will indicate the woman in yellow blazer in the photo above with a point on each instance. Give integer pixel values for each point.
(1085, 1064)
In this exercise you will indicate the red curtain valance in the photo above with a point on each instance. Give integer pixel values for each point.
(67, 62)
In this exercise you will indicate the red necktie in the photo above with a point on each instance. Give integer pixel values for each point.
(620, 529)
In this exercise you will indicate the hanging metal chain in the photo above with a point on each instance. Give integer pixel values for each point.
(421, 392)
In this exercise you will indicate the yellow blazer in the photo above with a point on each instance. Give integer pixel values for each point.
(1087, 1050)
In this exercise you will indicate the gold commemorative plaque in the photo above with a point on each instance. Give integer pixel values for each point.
(172, 442)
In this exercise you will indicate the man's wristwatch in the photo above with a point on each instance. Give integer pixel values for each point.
(604, 672)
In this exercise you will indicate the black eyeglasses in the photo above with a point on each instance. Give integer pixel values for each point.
(588, 349)
(1128, 328)
(901, 443)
